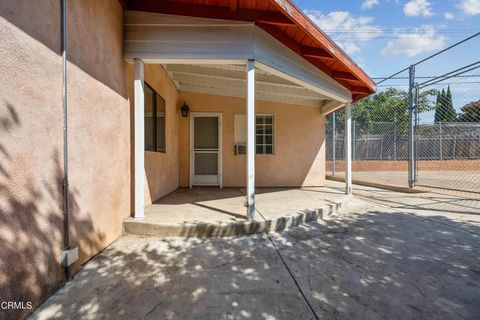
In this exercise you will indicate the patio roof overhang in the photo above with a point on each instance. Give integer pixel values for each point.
(282, 20)
(180, 40)
(188, 44)
(230, 80)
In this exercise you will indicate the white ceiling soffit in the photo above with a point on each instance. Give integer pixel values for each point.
(231, 81)
(167, 39)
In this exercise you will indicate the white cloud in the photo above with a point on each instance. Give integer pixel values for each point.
(449, 16)
(416, 8)
(470, 7)
(348, 31)
(423, 39)
(349, 47)
(369, 4)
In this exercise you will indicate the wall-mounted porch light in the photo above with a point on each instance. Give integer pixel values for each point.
(185, 110)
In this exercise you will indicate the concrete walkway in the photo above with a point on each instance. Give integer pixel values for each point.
(387, 256)
(214, 212)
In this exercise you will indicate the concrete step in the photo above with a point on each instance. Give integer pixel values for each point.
(227, 229)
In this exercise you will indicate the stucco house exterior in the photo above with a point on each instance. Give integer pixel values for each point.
(107, 106)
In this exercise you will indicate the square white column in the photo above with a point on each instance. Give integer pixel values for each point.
(348, 149)
(251, 139)
(139, 124)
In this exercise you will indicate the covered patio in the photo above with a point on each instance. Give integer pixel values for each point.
(214, 212)
(249, 54)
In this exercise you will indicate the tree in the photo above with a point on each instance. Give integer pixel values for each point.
(439, 106)
(470, 112)
(387, 109)
(450, 113)
(445, 111)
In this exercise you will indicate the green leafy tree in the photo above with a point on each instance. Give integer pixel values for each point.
(470, 112)
(389, 107)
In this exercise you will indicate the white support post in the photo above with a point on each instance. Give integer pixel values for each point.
(251, 139)
(348, 149)
(139, 123)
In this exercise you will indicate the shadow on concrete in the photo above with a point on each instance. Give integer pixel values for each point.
(430, 202)
(378, 264)
(242, 278)
(233, 214)
(383, 264)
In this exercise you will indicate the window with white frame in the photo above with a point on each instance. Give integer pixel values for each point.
(154, 125)
(264, 134)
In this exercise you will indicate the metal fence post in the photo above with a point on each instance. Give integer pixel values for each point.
(454, 156)
(441, 139)
(333, 144)
(415, 134)
(353, 139)
(411, 131)
(394, 134)
(381, 148)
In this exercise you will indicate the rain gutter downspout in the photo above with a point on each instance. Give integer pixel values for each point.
(66, 256)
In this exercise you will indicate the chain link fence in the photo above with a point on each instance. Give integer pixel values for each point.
(447, 135)
(417, 130)
(379, 136)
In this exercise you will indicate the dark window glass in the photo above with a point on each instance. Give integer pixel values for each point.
(155, 128)
(149, 119)
(161, 126)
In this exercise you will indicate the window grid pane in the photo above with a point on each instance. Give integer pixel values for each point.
(264, 139)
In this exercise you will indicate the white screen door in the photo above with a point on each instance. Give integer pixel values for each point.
(206, 147)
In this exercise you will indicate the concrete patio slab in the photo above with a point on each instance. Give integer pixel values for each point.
(214, 212)
(382, 258)
(462, 183)
(155, 278)
(450, 209)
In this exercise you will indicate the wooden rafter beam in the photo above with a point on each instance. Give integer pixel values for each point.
(239, 84)
(214, 72)
(360, 96)
(338, 75)
(312, 52)
(213, 12)
(234, 5)
(281, 36)
(304, 24)
(361, 90)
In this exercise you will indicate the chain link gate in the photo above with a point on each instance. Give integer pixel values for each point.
(447, 135)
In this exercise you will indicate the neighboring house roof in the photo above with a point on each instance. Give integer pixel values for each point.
(281, 19)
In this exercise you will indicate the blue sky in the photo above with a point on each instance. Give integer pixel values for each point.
(388, 35)
(384, 36)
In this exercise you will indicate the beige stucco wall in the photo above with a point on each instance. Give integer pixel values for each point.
(30, 152)
(31, 143)
(99, 121)
(161, 169)
(299, 143)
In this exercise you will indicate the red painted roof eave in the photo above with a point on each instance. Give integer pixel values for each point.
(303, 22)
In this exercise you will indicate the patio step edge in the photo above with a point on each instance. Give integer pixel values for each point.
(204, 230)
